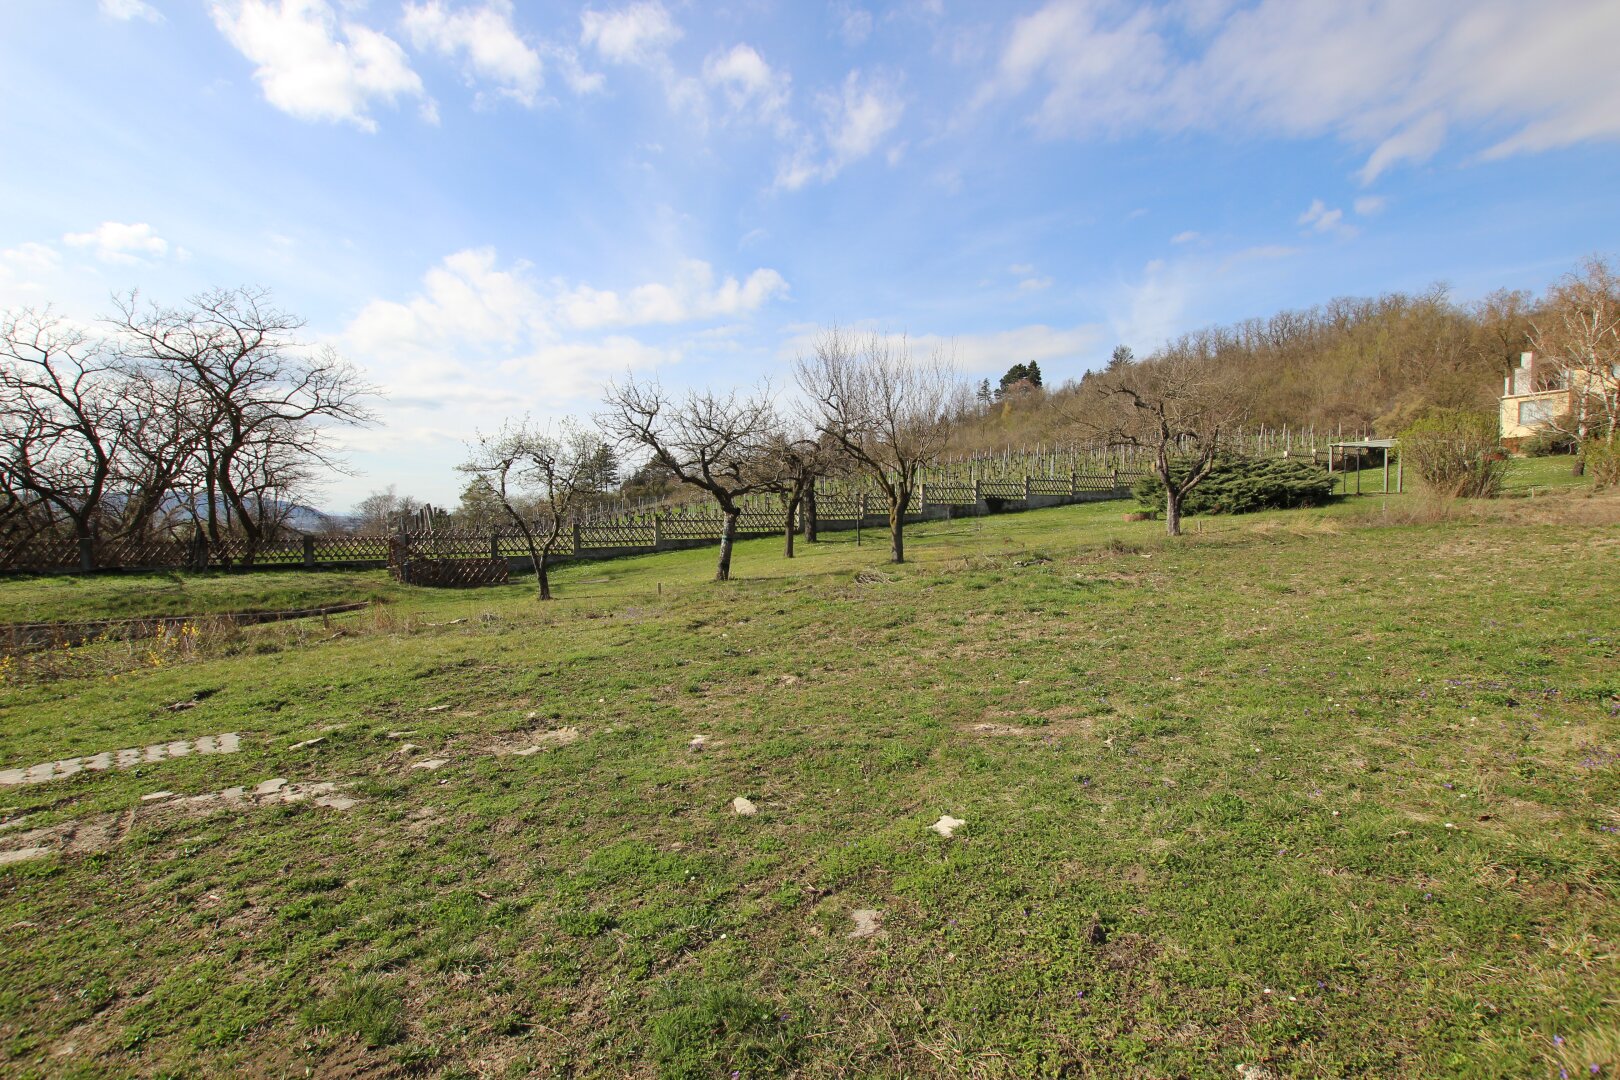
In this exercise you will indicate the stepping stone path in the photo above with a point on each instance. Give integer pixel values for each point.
(102, 831)
(228, 743)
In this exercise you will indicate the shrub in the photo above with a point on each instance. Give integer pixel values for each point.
(1241, 485)
(1602, 463)
(1547, 443)
(1455, 453)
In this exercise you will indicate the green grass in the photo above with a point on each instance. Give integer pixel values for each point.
(1542, 475)
(70, 597)
(1218, 832)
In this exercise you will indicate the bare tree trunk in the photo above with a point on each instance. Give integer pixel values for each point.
(1172, 510)
(897, 530)
(537, 560)
(810, 513)
(789, 530)
(728, 536)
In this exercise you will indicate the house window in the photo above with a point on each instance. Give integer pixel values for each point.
(1536, 413)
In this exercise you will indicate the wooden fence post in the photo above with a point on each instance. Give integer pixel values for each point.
(658, 533)
(309, 550)
(1026, 487)
(494, 545)
(87, 554)
(1074, 484)
(576, 538)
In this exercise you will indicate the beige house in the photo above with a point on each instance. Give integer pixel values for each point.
(1538, 393)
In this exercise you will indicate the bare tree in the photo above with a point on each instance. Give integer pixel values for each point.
(541, 479)
(1578, 335)
(886, 412)
(800, 462)
(159, 449)
(265, 401)
(719, 444)
(1177, 408)
(61, 417)
(379, 512)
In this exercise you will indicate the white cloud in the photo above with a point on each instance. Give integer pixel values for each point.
(973, 354)
(1392, 78)
(749, 85)
(854, 23)
(1153, 310)
(693, 295)
(312, 66)
(121, 244)
(1035, 284)
(485, 39)
(455, 345)
(1186, 237)
(24, 270)
(1370, 205)
(636, 34)
(125, 10)
(992, 353)
(467, 300)
(856, 120)
(1319, 218)
(470, 301)
(1416, 142)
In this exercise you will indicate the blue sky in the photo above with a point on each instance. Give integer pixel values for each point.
(493, 206)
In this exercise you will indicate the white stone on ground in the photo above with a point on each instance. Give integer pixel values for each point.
(743, 807)
(316, 741)
(270, 787)
(698, 742)
(545, 741)
(432, 763)
(156, 795)
(868, 923)
(947, 825)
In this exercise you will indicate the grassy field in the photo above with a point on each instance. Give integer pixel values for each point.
(122, 596)
(1324, 793)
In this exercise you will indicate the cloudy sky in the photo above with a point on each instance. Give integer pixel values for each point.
(492, 206)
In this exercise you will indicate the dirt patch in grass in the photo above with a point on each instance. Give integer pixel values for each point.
(527, 743)
(1012, 723)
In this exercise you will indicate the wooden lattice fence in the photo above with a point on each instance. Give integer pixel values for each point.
(467, 558)
(440, 562)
